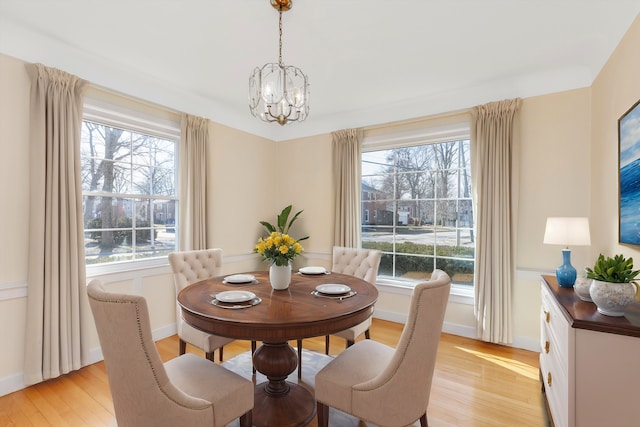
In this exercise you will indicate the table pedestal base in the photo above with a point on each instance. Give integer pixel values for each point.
(294, 409)
(279, 402)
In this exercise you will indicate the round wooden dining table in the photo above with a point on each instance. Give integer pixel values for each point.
(282, 315)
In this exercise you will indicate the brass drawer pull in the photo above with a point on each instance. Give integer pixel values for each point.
(547, 344)
(547, 316)
(549, 379)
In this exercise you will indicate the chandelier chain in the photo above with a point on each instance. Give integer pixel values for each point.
(280, 44)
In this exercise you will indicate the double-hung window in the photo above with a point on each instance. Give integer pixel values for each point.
(129, 169)
(417, 204)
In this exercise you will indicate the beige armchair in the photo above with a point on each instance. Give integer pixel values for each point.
(362, 263)
(189, 267)
(384, 386)
(187, 390)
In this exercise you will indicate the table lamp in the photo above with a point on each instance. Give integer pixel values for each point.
(567, 231)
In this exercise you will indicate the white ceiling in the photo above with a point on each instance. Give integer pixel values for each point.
(368, 61)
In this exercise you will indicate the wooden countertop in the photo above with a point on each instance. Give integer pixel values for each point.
(584, 315)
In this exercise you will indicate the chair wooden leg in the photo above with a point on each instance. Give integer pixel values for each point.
(423, 420)
(367, 335)
(299, 359)
(323, 414)
(183, 347)
(326, 345)
(211, 356)
(220, 352)
(246, 420)
(253, 350)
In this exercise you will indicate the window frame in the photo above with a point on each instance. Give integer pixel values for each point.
(136, 116)
(437, 129)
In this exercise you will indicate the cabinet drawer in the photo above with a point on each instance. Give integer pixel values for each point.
(554, 330)
(557, 390)
(556, 355)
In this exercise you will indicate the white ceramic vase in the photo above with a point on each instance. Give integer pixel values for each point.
(612, 298)
(280, 276)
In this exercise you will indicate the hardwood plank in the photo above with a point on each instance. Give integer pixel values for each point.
(475, 384)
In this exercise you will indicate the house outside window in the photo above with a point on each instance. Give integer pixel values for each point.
(129, 186)
(422, 210)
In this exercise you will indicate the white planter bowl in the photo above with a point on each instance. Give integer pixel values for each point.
(582, 288)
(612, 298)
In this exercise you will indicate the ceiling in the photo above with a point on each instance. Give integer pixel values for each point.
(368, 61)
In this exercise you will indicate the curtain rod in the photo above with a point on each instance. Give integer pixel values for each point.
(417, 119)
(131, 98)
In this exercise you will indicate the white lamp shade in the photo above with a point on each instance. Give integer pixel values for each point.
(567, 231)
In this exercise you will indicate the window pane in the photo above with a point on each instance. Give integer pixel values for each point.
(413, 267)
(460, 271)
(417, 209)
(376, 162)
(378, 237)
(140, 171)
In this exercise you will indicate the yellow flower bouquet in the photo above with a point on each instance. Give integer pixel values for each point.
(279, 247)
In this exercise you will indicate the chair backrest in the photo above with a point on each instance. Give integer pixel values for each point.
(362, 263)
(405, 384)
(192, 266)
(141, 390)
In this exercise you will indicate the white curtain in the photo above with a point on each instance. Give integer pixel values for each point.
(56, 277)
(194, 140)
(347, 149)
(495, 169)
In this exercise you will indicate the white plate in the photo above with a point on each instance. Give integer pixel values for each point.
(313, 270)
(333, 289)
(240, 278)
(235, 296)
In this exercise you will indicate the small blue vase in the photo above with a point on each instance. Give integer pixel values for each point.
(566, 274)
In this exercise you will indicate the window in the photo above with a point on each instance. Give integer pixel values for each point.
(420, 213)
(129, 189)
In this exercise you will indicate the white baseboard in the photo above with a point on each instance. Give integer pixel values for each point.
(525, 343)
(15, 382)
(11, 383)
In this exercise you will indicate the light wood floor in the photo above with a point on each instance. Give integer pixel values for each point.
(475, 385)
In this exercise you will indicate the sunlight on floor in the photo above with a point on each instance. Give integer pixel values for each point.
(519, 368)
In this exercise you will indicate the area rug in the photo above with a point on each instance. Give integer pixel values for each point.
(312, 362)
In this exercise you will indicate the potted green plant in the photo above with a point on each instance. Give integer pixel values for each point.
(279, 248)
(613, 287)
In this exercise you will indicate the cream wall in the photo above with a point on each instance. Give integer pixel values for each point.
(615, 90)
(14, 181)
(306, 181)
(568, 167)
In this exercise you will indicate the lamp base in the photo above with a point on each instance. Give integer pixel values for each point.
(566, 274)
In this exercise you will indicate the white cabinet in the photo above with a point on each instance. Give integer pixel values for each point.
(557, 343)
(588, 361)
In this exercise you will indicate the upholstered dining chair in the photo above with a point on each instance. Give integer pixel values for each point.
(189, 267)
(362, 263)
(385, 386)
(187, 390)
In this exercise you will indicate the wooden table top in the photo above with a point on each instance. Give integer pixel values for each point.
(283, 315)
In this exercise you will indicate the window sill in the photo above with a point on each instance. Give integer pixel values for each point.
(128, 269)
(459, 294)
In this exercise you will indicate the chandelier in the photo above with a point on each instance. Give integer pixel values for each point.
(278, 92)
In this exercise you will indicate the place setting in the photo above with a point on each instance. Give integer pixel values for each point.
(235, 299)
(313, 271)
(334, 291)
(240, 279)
